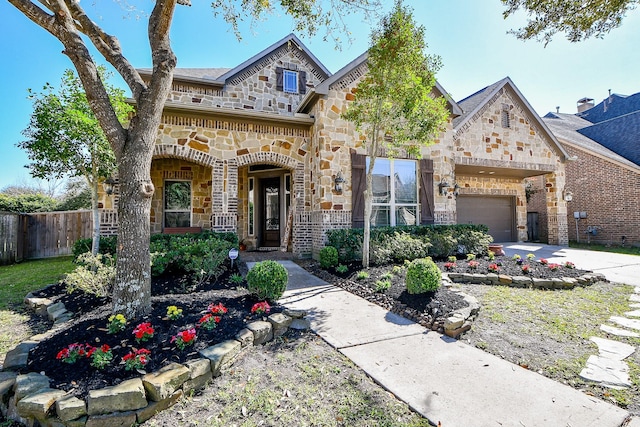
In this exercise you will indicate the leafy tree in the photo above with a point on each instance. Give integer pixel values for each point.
(77, 196)
(577, 18)
(393, 105)
(65, 139)
(27, 203)
(133, 145)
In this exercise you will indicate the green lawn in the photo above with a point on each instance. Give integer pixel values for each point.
(604, 248)
(16, 281)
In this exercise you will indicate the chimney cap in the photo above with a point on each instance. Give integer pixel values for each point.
(584, 100)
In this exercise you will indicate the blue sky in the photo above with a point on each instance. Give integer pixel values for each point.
(469, 35)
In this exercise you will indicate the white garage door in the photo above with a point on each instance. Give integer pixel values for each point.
(498, 213)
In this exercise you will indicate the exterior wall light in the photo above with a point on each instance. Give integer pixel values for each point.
(456, 190)
(443, 186)
(339, 181)
(109, 185)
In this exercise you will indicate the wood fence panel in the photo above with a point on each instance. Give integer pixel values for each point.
(9, 236)
(51, 234)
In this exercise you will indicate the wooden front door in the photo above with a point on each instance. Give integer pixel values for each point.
(271, 212)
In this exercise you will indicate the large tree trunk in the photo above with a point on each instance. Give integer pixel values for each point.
(132, 289)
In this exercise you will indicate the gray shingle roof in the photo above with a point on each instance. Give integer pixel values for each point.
(567, 126)
(471, 102)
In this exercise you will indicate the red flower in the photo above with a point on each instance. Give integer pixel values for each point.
(136, 359)
(261, 308)
(217, 308)
(449, 265)
(209, 321)
(184, 338)
(493, 267)
(143, 332)
(544, 261)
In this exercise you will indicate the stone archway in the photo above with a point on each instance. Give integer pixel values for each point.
(301, 219)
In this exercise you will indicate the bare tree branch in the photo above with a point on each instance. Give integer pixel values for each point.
(108, 46)
(36, 14)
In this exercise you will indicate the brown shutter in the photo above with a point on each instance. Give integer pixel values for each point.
(358, 186)
(426, 192)
(279, 85)
(302, 82)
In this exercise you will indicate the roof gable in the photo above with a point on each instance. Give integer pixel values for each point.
(477, 102)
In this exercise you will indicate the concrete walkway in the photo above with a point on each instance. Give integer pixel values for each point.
(443, 379)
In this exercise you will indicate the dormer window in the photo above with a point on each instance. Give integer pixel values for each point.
(290, 81)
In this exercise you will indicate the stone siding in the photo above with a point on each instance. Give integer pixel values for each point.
(255, 87)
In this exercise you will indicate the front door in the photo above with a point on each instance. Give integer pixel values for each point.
(271, 212)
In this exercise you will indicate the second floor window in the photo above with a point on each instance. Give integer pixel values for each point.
(290, 81)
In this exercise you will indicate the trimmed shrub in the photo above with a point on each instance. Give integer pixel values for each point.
(442, 240)
(423, 275)
(328, 257)
(398, 247)
(268, 280)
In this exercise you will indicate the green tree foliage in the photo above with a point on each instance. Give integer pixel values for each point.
(27, 203)
(578, 19)
(64, 137)
(394, 106)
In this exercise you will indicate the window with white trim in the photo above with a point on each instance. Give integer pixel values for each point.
(290, 81)
(395, 192)
(177, 203)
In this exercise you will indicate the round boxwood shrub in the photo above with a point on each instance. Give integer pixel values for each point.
(423, 275)
(268, 280)
(328, 257)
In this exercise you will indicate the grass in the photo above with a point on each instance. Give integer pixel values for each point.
(16, 281)
(606, 248)
(307, 384)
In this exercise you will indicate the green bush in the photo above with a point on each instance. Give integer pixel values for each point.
(268, 280)
(200, 255)
(397, 247)
(328, 257)
(423, 275)
(95, 275)
(442, 241)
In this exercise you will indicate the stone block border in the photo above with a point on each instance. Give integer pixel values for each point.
(525, 281)
(28, 399)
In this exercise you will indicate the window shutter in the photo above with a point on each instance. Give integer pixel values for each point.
(358, 186)
(426, 192)
(279, 85)
(302, 82)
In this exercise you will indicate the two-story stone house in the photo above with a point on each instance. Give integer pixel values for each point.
(262, 149)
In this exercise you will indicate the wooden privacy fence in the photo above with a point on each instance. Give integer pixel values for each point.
(41, 235)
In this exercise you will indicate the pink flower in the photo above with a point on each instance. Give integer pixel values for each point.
(473, 264)
(493, 268)
(544, 261)
(184, 338)
(449, 265)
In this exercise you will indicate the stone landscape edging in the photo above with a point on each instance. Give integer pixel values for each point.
(525, 281)
(27, 398)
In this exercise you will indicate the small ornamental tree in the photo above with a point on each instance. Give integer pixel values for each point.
(394, 106)
(64, 137)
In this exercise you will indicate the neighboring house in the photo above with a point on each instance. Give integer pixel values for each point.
(604, 179)
(262, 149)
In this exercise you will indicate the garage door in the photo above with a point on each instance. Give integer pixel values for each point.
(495, 212)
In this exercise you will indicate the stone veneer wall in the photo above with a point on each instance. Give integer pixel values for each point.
(181, 170)
(254, 89)
(538, 203)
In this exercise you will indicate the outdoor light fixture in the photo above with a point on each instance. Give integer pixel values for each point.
(442, 187)
(456, 189)
(339, 180)
(109, 185)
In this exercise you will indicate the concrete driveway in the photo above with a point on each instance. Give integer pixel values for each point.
(616, 267)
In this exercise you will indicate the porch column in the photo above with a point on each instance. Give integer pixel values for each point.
(224, 195)
(556, 208)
